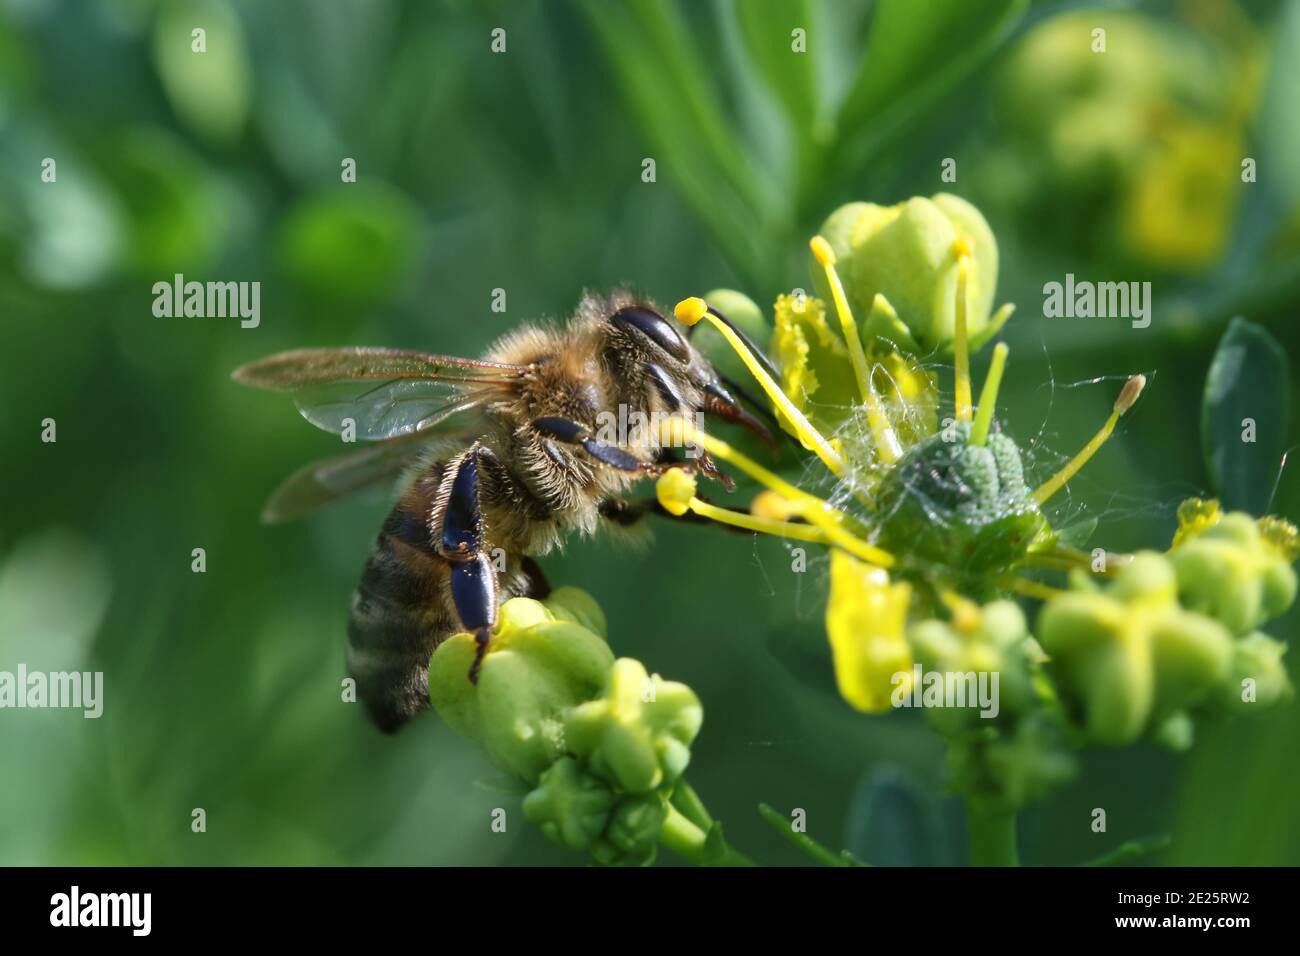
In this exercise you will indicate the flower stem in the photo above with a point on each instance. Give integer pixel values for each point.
(691, 843)
(992, 835)
(806, 843)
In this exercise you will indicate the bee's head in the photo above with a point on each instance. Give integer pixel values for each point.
(652, 355)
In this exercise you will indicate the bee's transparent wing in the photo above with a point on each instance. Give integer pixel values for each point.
(322, 482)
(377, 394)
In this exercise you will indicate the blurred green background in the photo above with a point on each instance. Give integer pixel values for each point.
(522, 170)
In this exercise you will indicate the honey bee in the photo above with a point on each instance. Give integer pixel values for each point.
(503, 457)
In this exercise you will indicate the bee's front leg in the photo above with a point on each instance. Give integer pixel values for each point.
(458, 535)
(574, 433)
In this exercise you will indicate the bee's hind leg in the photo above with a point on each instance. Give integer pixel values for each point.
(474, 591)
(459, 539)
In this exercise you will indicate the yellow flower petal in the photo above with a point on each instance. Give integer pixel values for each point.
(866, 617)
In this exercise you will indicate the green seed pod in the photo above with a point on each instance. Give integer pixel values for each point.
(537, 668)
(638, 734)
(899, 269)
(571, 806)
(959, 506)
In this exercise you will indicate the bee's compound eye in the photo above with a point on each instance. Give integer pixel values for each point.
(654, 327)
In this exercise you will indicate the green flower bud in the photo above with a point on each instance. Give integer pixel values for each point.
(899, 269)
(1231, 572)
(1176, 732)
(571, 806)
(1129, 657)
(1102, 662)
(955, 505)
(1192, 654)
(1257, 675)
(980, 640)
(579, 607)
(638, 734)
(629, 839)
(538, 666)
(1006, 768)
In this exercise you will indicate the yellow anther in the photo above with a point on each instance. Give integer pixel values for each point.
(773, 505)
(675, 490)
(689, 311)
(822, 251)
(961, 247)
(1129, 393)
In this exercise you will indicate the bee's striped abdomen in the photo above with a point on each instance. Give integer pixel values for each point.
(403, 609)
(399, 615)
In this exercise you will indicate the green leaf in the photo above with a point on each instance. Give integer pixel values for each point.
(660, 69)
(1244, 416)
(915, 53)
(767, 28)
(1279, 133)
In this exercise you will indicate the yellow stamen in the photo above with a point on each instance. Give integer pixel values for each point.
(691, 310)
(1127, 396)
(886, 441)
(835, 524)
(681, 432)
(828, 519)
(960, 346)
(979, 433)
(739, 519)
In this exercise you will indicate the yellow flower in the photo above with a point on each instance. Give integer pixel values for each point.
(1181, 200)
(866, 617)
